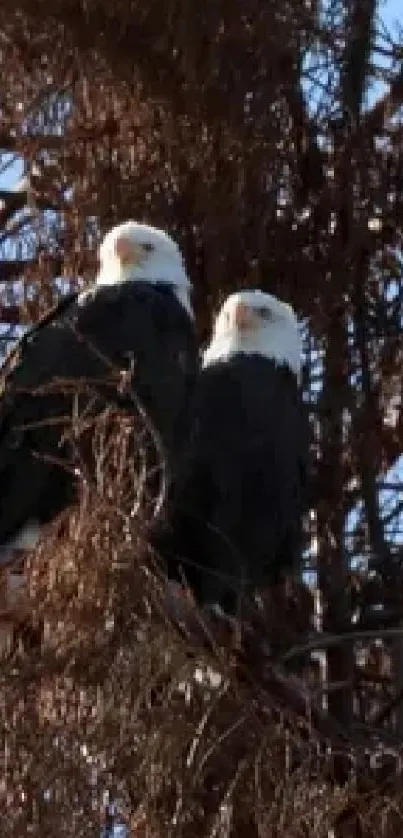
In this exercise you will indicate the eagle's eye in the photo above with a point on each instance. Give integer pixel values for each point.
(265, 313)
(148, 247)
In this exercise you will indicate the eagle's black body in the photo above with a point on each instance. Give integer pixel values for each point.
(129, 322)
(237, 520)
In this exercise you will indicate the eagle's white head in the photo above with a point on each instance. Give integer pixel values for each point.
(252, 322)
(133, 251)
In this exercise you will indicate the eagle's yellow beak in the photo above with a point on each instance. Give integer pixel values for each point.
(243, 317)
(128, 252)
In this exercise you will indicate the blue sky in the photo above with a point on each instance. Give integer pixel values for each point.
(391, 11)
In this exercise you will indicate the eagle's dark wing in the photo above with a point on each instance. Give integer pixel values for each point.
(33, 362)
(144, 326)
(91, 338)
(239, 517)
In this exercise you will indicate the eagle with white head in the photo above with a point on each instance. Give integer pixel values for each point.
(237, 525)
(256, 323)
(137, 310)
(137, 252)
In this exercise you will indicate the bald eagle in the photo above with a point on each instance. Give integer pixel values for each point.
(236, 524)
(138, 310)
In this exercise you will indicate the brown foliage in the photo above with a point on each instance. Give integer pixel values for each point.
(197, 119)
(189, 736)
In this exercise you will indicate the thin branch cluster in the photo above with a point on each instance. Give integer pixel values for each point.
(267, 140)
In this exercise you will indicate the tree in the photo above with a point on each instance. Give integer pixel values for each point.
(248, 132)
